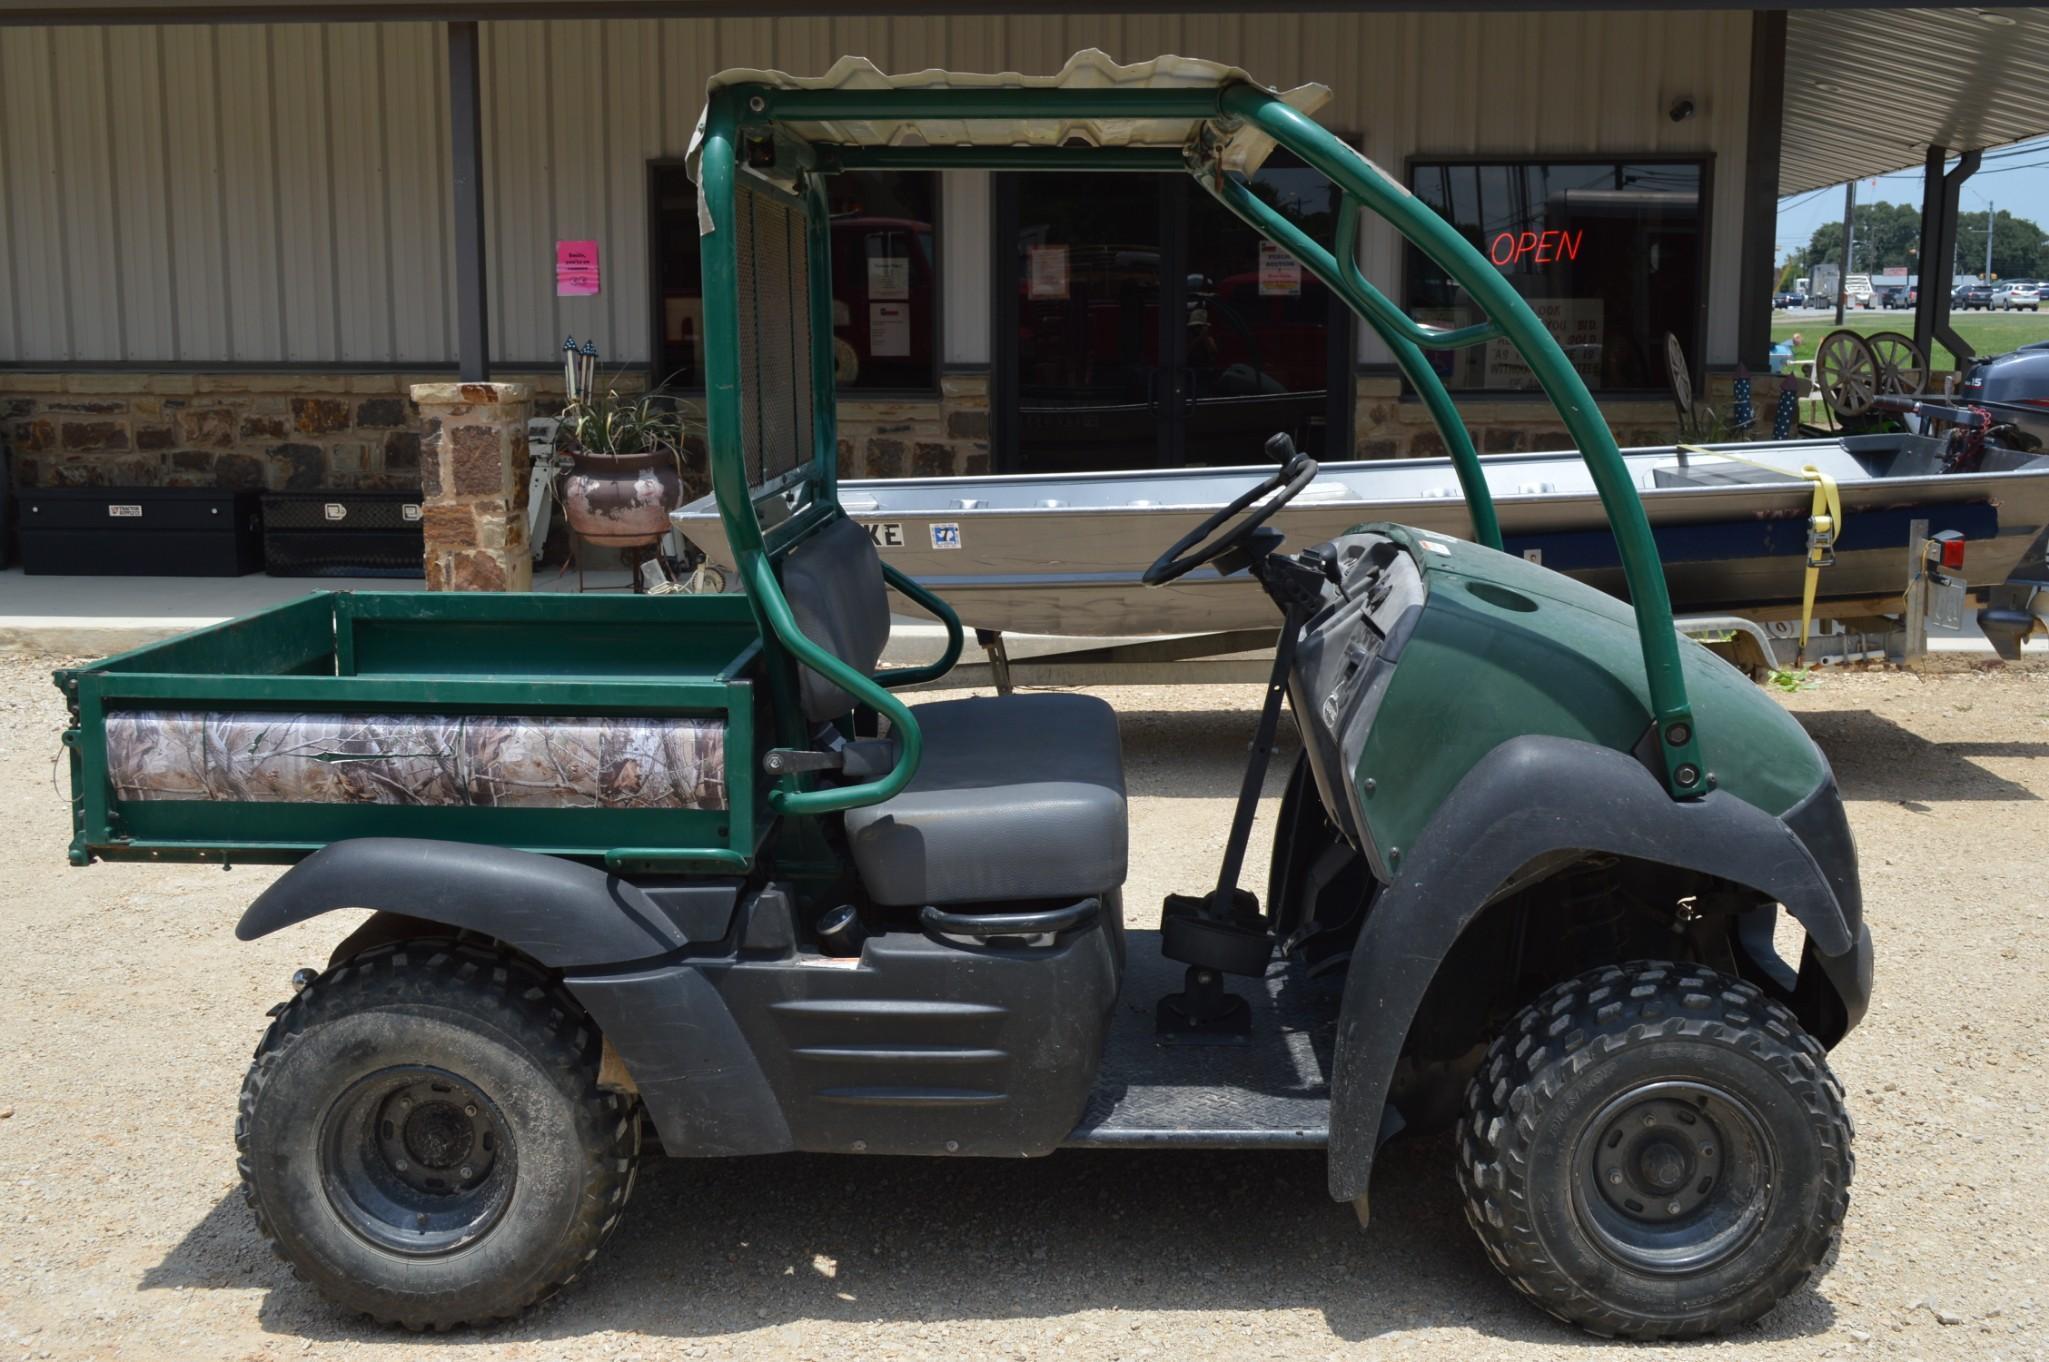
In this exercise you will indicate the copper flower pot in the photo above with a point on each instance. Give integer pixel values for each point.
(621, 500)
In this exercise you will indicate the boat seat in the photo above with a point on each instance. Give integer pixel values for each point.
(1015, 797)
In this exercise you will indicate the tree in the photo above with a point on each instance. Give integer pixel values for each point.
(1887, 234)
(2016, 246)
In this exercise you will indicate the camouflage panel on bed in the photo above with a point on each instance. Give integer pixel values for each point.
(423, 759)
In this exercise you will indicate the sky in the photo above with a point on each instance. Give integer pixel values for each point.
(2014, 178)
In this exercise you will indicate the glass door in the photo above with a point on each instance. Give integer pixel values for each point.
(1082, 285)
(1265, 346)
(1141, 325)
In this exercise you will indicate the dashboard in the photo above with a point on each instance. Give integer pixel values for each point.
(1373, 594)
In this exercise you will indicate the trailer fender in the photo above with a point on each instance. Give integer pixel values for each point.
(1528, 799)
(695, 1073)
(561, 913)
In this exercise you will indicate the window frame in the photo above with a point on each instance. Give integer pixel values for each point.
(656, 164)
(1696, 344)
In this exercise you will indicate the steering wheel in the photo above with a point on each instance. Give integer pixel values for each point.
(1297, 471)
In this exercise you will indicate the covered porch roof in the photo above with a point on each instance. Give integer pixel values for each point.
(1968, 78)
(274, 11)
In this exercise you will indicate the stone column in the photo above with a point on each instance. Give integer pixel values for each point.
(473, 477)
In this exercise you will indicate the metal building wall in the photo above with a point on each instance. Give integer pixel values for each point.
(242, 193)
(263, 194)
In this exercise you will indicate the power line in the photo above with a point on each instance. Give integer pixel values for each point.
(2002, 170)
(1789, 207)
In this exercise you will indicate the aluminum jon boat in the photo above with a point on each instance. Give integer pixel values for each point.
(1062, 553)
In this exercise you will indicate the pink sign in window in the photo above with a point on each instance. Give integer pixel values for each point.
(576, 269)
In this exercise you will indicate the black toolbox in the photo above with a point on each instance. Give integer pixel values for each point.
(343, 534)
(140, 531)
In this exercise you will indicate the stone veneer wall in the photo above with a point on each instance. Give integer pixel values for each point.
(293, 431)
(917, 437)
(920, 437)
(1386, 427)
(280, 431)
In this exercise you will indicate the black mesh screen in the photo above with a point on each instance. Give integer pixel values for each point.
(775, 336)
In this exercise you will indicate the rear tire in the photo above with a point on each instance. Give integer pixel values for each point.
(422, 1136)
(1656, 1151)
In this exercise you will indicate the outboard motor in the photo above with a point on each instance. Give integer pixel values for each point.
(2014, 387)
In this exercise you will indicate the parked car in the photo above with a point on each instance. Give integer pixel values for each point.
(1913, 295)
(1789, 300)
(1972, 296)
(2024, 294)
(1891, 295)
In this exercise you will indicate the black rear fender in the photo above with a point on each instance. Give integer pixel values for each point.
(1531, 806)
(561, 913)
(614, 948)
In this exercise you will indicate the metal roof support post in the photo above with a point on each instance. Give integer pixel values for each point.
(466, 125)
(1757, 275)
(1940, 194)
(1849, 247)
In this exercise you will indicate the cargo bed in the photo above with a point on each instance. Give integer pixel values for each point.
(594, 728)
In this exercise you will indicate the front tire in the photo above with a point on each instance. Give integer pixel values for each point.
(1656, 1151)
(422, 1136)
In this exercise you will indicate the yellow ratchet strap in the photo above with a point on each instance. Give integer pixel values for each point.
(1824, 524)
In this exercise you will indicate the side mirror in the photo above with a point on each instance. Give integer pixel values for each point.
(1280, 448)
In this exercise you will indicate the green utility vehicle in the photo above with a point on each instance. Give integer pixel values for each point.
(688, 866)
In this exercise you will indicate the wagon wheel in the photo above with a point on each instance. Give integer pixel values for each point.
(1902, 368)
(1846, 372)
(1680, 375)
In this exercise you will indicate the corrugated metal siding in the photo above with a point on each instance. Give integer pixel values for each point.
(261, 193)
(242, 194)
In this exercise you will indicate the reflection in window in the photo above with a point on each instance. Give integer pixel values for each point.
(1608, 254)
(884, 279)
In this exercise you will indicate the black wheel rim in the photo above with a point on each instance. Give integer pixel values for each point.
(416, 1160)
(1674, 1177)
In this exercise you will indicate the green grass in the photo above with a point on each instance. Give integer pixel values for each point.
(1989, 333)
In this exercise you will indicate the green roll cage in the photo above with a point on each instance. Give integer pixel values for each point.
(746, 122)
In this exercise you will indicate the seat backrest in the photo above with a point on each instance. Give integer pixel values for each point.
(833, 582)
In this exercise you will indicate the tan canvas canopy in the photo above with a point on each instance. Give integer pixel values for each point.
(1088, 70)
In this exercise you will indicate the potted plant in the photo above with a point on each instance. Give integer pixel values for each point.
(626, 454)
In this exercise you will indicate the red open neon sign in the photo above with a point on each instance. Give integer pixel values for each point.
(1511, 248)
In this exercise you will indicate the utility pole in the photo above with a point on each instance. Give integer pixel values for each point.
(1990, 215)
(1849, 215)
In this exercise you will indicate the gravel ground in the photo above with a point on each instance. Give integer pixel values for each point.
(130, 1013)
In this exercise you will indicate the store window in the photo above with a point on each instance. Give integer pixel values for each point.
(884, 280)
(1610, 254)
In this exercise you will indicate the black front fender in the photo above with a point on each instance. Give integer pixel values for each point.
(1526, 800)
(561, 913)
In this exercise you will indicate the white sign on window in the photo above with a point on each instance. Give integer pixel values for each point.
(1575, 323)
(889, 276)
(1280, 274)
(1047, 277)
(889, 330)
